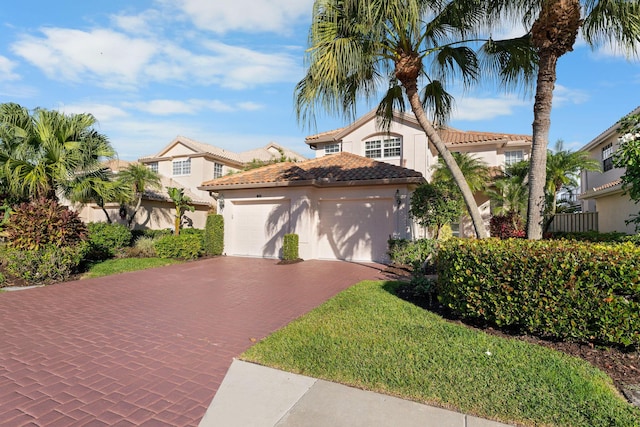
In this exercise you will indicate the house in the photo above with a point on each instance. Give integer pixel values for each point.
(342, 206)
(406, 145)
(190, 162)
(602, 191)
(157, 209)
(185, 163)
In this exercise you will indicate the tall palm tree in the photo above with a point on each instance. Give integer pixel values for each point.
(355, 45)
(44, 152)
(554, 26)
(137, 178)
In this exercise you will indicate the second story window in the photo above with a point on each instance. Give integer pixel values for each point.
(383, 148)
(511, 157)
(153, 166)
(217, 170)
(607, 157)
(331, 148)
(182, 167)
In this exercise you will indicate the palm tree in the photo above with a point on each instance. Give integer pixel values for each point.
(45, 152)
(563, 168)
(100, 188)
(137, 178)
(509, 192)
(476, 172)
(357, 44)
(182, 203)
(554, 26)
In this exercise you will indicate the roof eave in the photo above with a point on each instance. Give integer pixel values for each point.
(319, 183)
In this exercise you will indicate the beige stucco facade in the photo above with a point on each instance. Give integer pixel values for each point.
(602, 191)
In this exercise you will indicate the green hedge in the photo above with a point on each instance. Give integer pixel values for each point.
(290, 247)
(107, 240)
(184, 246)
(46, 265)
(214, 235)
(565, 289)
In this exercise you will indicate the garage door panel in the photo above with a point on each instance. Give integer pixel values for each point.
(259, 228)
(355, 230)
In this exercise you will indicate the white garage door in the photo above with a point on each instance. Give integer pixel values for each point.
(258, 228)
(355, 230)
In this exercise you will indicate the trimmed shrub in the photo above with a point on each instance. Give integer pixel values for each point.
(412, 253)
(187, 246)
(150, 233)
(42, 223)
(46, 265)
(290, 247)
(144, 247)
(507, 226)
(590, 236)
(560, 289)
(107, 240)
(214, 235)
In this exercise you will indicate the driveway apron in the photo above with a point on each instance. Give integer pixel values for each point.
(149, 347)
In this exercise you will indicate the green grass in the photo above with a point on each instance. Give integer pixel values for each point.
(368, 338)
(122, 265)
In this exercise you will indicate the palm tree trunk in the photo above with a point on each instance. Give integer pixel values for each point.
(553, 34)
(538, 162)
(443, 151)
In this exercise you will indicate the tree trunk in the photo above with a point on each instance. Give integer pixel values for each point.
(553, 34)
(443, 151)
(135, 211)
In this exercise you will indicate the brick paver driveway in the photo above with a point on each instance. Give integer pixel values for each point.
(147, 348)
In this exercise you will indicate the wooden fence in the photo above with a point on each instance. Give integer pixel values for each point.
(575, 222)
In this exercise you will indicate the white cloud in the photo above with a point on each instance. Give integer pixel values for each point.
(164, 107)
(475, 109)
(115, 60)
(67, 54)
(6, 69)
(246, 15)
(144, 23)
(102, 112)
(563, 95)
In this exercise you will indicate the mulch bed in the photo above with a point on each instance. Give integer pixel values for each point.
(621, 365)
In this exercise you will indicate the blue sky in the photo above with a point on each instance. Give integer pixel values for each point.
(223, 72)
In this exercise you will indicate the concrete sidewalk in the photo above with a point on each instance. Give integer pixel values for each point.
(256, 396)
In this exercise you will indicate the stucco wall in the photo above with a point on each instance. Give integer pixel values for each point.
(613, 211)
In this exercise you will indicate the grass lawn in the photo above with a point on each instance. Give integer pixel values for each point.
(368, 338)
(122, 265)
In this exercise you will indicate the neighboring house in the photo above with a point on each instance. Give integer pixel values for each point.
(157, 210)
(190, 162)
(406, 145)
(603, 190)
(342, 207)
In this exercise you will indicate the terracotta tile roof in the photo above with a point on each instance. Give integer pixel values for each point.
(162, 195)
(606, 186)
(452, 136)
(334, 169)
(266, 153)
(116, 165)
(323, 134)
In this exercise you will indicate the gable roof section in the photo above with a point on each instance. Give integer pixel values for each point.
(266, 153)
(612, 130)
(450, 136)
(341, 169)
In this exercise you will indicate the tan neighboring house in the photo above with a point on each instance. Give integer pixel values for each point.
(406, 145)
(184, 163)
(343, 207)
(157, 210)
(602, 191)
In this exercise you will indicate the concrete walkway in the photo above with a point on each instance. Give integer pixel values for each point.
(257, 396)
(148, 348)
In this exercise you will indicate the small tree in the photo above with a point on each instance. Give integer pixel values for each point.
(434, 205)
(182, 203)
(627, 156)
(137, 178)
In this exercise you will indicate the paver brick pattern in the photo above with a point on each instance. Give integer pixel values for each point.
(149, 347)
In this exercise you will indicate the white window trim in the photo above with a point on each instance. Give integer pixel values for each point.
(153, 166)
(332, 148)
(385, 143)
(508, 162)
(182, 167)
(217, 166)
